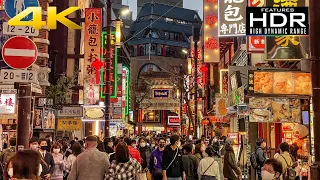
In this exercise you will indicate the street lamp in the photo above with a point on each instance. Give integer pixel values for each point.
(184, 51)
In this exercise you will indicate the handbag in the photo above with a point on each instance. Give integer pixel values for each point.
(205, 177)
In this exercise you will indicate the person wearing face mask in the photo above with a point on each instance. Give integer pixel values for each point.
(47, 161)
(24, 165)
(155, 165)
(172, 165)
(145, 153)
(34, 144)
(135, 154)
(59, 162)
(271, 170)
(6, 155)
(260, 155)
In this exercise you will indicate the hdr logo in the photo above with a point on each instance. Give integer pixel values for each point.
(275, 21)
(52, 18)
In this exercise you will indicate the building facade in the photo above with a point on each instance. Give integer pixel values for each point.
(156, 48)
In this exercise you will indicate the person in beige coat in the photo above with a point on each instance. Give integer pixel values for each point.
(91, 164)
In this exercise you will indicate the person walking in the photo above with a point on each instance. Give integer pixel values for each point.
(76, 150)
(25, 165)
(155, 165)
(135, 154)
(91, 164)
(145, 153)
(190, 163)
(229, 166)
(209, 168)
(47, 161)
(172, 165)
(124, 167)
(260, 156)
(59, 162)
(199, 151)
(217, 158)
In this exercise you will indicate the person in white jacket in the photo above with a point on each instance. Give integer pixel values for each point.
(208, 167)
(76, 150)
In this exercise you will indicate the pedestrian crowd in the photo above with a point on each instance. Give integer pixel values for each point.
(158, 157)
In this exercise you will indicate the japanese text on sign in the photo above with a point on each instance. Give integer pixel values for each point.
(92, 55)
(232, 22)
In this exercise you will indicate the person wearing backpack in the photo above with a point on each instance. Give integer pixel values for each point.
(7, 155)
(285, 159)
(260, 156)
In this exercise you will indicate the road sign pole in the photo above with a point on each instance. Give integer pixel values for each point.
(24, 114)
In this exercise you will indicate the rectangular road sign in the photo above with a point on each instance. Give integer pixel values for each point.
(13, 75)
(19, 30)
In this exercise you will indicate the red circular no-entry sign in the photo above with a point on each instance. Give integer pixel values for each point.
(19, 52)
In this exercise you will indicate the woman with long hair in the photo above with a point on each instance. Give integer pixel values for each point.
(124, 167)
(25, 165)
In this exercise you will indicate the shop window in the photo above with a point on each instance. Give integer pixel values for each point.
(171, 36)
(142, 50)
(153, 49)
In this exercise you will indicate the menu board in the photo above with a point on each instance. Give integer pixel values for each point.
(275, 110)
(282, 83)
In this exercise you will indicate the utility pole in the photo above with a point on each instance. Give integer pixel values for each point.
(314, 6)
(107, 71)
(196, 39)
(24, 115)
(195, 88)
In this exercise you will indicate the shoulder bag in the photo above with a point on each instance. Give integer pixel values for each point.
(205, 177)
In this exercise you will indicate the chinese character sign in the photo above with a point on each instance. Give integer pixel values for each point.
(8, 104)
(232, 18)
(113, 66)
(211, 42)
(92, 47)
(256, 43)
(286, 47)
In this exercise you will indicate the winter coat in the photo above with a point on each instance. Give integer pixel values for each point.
(230, 166)
(261, 156)
(145, 153)
(190, 166)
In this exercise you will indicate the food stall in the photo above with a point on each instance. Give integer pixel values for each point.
(277, 102)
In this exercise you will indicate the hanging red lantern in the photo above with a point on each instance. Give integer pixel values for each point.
(213, 119)
(205, 122)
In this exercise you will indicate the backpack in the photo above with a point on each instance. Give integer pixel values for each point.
(253, 160)
(290, 173)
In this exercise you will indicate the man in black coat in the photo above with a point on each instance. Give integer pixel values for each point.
(47, 161)
(260, 155)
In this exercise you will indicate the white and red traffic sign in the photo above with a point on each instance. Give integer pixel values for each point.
(19, 52)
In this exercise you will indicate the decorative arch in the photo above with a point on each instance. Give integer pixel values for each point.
(147, 67)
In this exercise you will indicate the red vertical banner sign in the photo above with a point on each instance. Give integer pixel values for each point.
(211, 41)
(256, 43)
(92, 54)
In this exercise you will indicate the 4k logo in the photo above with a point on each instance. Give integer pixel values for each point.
(52, 18)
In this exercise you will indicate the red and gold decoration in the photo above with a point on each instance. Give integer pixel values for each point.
(211, 40)
(92, 47)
